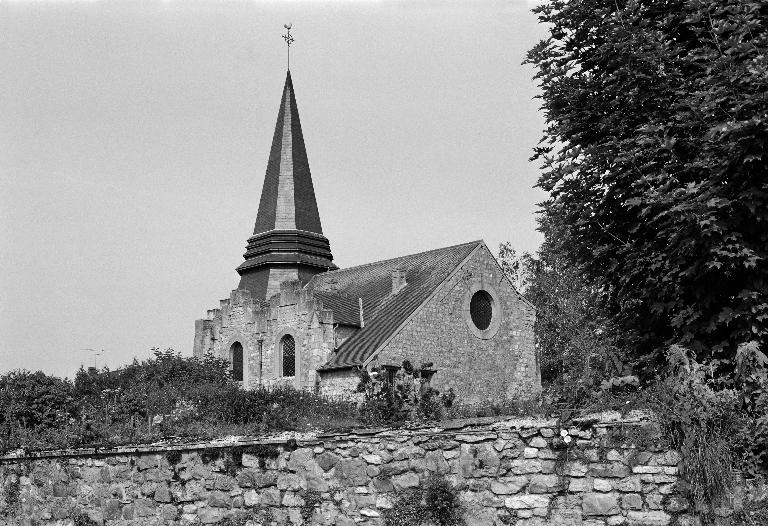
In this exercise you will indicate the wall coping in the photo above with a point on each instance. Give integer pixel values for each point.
(481, 425)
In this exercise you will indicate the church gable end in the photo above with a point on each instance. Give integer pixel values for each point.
(477, 331)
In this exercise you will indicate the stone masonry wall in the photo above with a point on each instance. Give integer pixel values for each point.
(259, 328)
(476, 368)
(505, 471)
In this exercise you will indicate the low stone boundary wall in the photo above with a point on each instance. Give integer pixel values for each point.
(506, 471)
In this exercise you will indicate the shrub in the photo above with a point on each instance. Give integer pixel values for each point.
(401, 395)
(166, 396)
(436, 502)
(699, 421)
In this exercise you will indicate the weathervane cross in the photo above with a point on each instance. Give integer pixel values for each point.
(288, 40)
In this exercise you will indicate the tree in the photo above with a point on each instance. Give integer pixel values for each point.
(655, 163)
(577, 344)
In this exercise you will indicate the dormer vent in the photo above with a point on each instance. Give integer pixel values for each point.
(398, 279)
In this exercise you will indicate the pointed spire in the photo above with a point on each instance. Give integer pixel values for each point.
(287, 241)
(288, 196)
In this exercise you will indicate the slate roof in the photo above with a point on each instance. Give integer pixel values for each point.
(383, 311)
(288, 195)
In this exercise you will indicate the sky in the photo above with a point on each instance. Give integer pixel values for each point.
(134, 138)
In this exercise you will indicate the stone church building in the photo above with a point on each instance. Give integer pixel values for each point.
(297, 319)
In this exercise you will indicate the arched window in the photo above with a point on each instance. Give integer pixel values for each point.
(288, 355)
(236, 351)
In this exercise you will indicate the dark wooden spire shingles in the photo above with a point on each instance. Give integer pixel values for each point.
(288, 196)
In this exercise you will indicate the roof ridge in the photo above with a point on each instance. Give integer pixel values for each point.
(477, 242)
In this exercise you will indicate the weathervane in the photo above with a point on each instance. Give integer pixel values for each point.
(288, 40)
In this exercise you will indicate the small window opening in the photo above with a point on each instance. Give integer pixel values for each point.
(288, 348)
(237, 361)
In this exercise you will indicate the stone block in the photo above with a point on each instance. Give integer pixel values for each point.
(524, 466)
(648, 518)
(602, 485)
(544, 484)
(579, 485)
(537, 442)
(576, 469)
(609, 470)
(290, 482)
(516, 502)
(292, 500)
(408, 452)
(327, 460)
(210, 515)
(376, 459)
(501, 488)
(353, 471)
(629, 484)
(162, 493)
(530, 452)
(404, 481)
(218, 499)
(600, 504)
(111, 509)
(632, 501)
(648, 469)
(435, 462)
(250, 499)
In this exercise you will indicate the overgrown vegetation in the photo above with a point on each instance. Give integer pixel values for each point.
(397, 395)
(654, 163)
(166, 396)
(655, 225)
(434, 502)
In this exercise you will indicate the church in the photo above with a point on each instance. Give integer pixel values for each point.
(297, 319)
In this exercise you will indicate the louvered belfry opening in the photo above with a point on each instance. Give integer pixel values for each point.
(237, 362)
(288, 351)
(481, 309)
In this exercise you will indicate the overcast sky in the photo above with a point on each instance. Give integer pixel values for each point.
(134, 139)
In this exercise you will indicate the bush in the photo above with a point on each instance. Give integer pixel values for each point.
(436, 502)
(401, 395)
(166, 396)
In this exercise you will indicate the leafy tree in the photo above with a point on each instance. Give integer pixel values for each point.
(655, 163)
(577, 345)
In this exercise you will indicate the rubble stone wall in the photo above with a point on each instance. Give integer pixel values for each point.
(505, 471)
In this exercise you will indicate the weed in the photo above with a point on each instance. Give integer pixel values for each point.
(173, 457)
(11, 492)
(436, 501)
(312, 500)
(80, 518)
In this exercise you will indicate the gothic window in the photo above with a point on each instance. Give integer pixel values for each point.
(481, 309)
(236, 352)
(288, 352)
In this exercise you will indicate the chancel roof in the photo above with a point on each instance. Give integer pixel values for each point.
(383, 312)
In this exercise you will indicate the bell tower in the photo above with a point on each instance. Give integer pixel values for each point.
(287, 241)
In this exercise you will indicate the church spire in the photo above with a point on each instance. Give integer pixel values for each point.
(287, 241)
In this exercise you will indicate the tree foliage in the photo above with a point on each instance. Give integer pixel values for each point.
(578, 345)
(656, 166)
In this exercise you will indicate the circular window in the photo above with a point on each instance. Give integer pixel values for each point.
(481, 309)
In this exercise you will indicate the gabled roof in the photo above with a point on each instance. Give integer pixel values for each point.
(383, 312)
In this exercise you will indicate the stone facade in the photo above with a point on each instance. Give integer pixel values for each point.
(505, 471)
(260, 326)
(500, 363)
